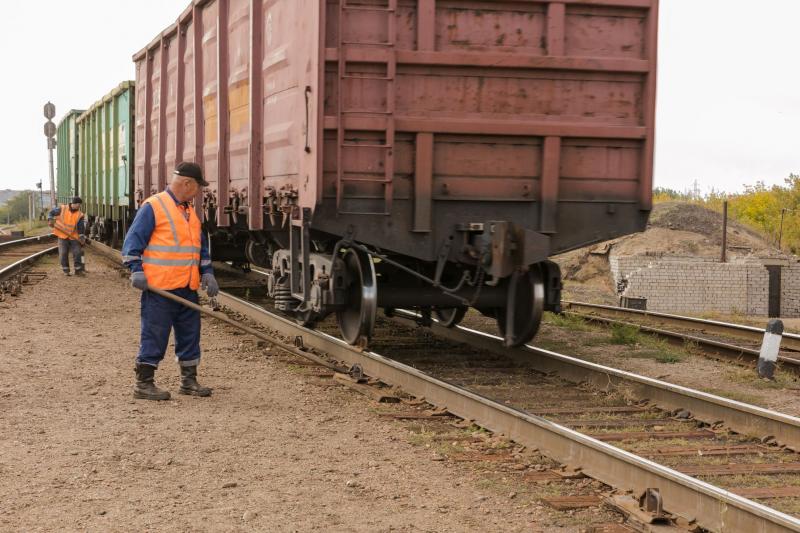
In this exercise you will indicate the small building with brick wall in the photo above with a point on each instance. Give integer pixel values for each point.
(693, 285)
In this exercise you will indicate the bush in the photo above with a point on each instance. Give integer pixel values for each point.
(624, 334)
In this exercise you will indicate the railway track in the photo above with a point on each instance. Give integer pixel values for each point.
(713, 337)
(693, 455)
(16, 257)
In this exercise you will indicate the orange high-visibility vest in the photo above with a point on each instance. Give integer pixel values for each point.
(172, 257)
(66, 224)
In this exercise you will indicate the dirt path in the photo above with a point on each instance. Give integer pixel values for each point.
(270, 451)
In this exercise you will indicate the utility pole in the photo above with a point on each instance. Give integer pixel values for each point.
(30, 209)
(50, 133)
(780, 232)
(724, 230)
(41, 197)
(696, 191)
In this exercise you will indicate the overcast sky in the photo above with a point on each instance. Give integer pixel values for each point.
(728, 97)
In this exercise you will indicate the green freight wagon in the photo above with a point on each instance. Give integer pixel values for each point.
(105, 155)
(67, 154)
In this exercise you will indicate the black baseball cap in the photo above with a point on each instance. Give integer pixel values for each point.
(191, 170)
(76, 200)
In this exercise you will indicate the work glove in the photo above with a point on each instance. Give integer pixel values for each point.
(139, 281)
(209, 284)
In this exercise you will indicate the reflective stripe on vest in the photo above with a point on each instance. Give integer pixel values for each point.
(172, 257)
(66, 224)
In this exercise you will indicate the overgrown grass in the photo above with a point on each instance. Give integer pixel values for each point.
(567, 321)
(783, 379)
(625, 334)
(669, 358)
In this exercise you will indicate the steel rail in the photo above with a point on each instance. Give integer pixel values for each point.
(713, 348)
(712, 508)
(12, 269)
(740, 417)
(25, 240)
(790, 341)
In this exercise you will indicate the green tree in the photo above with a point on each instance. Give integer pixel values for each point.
(761, 207)
(15, 209)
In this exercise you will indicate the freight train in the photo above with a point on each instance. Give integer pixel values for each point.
(430, 154)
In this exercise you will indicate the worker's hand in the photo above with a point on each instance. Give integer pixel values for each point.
(82, 238)
(139, 281)
(209, 284)
(51, 223)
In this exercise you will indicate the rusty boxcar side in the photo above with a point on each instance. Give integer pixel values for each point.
(407, 125)
(546, 108)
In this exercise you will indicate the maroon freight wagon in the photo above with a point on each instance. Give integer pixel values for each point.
(393, 153)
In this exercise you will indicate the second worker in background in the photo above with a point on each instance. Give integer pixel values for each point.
(69, 226)
(165, 248)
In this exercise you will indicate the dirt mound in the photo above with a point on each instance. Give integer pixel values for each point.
(674, 229)
(697, 219)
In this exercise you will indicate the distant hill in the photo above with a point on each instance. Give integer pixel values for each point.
(7, 194)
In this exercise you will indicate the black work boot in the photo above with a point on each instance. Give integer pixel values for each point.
(189, 384)
(145, 389)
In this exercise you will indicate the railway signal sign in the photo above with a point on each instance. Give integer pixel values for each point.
(50, 133)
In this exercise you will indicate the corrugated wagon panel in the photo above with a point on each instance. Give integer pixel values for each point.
(67, 177)
(564, 90)
(404, 118)
(106, 154)
(249, 96)
(157, 179)
(142, 154)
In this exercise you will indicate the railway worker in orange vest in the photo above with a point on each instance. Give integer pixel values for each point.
(166, 249)
(69, 226)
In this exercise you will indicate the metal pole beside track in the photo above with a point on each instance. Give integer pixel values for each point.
(724, 231)
(50, 133)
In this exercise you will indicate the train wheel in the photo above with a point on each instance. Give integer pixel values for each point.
(307, 319)
(450, 316)
(357, 320)
(519, 320)
(258, 254)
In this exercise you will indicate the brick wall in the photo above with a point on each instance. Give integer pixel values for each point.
(790, 290)
(694, 285)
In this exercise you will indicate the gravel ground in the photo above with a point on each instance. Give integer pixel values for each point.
(269, 451)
